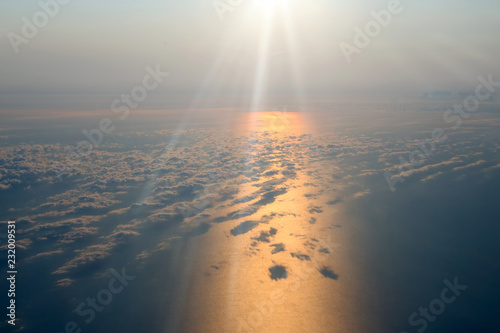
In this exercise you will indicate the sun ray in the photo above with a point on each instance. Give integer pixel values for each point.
(293, 49)
(262, 62)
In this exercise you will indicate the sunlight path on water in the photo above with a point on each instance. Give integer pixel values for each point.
(279, 258)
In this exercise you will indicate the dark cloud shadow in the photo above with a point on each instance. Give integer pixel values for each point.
(280, 247)
(334, 202)
(315, 209)
(244, 227)
(328, 273)
(269, 197)
(301, 256)
(265, 235)
(278, 272)
(199, 230)
(250, 210)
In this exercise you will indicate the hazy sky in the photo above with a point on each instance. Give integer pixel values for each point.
(104, 46)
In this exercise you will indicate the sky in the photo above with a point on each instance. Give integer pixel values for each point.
(355, 210)
(104, 46)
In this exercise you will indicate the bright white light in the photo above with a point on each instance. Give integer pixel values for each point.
(270, 5)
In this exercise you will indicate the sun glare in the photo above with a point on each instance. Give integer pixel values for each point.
(269, 5)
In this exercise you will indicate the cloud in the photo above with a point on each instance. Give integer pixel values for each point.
(433, 176)
(65, 282)
(90, 255)
(361, 194)
(44, 254)
(471, 165)
(492, 168)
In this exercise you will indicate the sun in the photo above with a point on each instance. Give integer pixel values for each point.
(270, 5)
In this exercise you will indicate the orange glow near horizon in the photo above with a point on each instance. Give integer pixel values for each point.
(275, 122)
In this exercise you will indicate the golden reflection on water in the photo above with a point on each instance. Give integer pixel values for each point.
(231, 288)
(278, 122)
